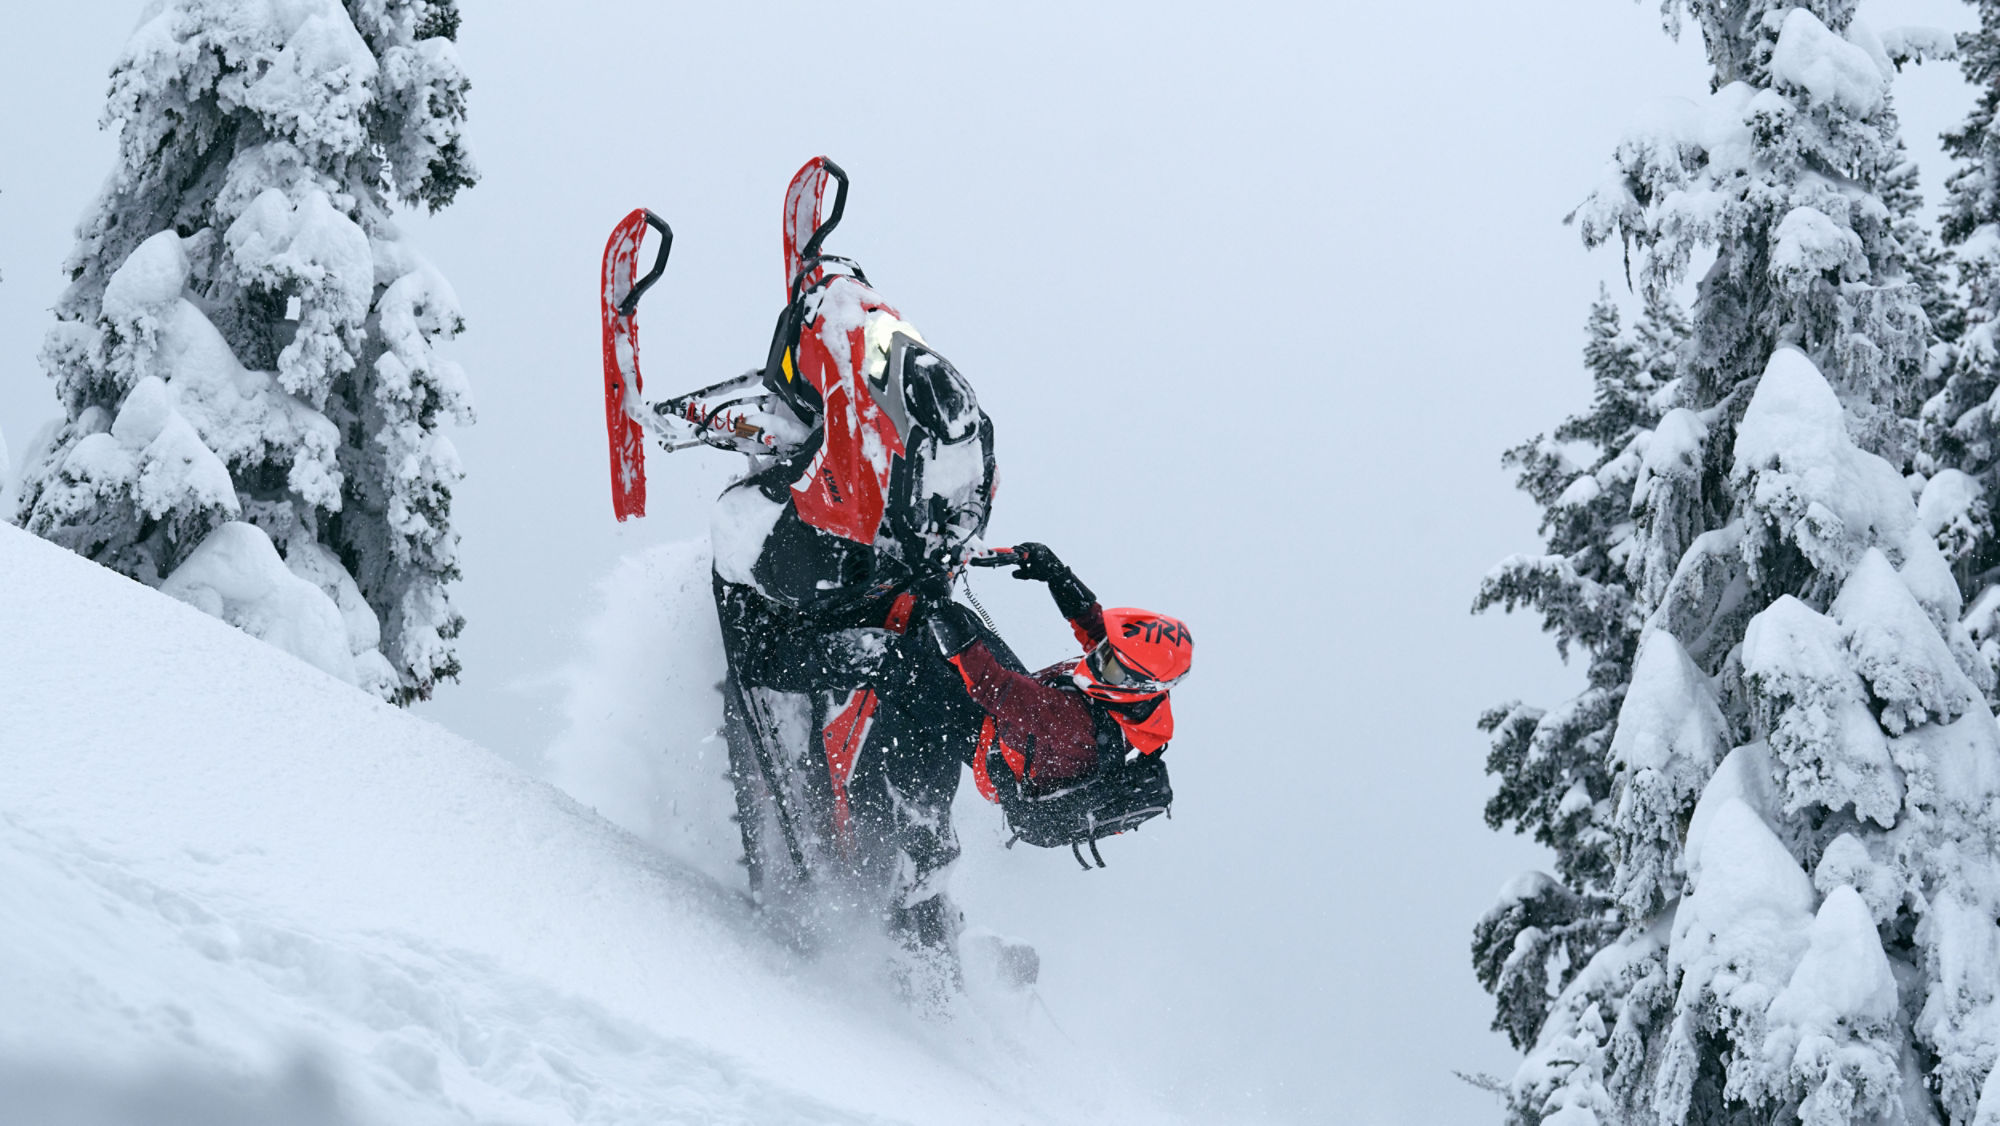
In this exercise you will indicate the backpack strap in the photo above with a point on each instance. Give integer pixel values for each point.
(981, 776)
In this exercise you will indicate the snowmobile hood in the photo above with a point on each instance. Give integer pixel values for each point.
(844, 488)
(905, 448)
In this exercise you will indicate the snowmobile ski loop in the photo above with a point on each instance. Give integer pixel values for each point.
(630, 303)
(825, 227)
(1076, 850)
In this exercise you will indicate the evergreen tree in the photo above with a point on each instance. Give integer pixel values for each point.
(1961, 422)
(1553, 766)
(248, 340)
(1804, 777)
(6, 479)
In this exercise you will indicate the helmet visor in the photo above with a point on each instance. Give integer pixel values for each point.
(1112, 673)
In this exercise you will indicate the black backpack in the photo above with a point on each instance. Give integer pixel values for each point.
(1125, 791)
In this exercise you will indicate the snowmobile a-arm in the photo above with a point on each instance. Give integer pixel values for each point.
(736, 414)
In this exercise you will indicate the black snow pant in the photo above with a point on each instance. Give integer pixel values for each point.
(887, 822)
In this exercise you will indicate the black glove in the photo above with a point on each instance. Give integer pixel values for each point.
(1038, 562)
(953, 629)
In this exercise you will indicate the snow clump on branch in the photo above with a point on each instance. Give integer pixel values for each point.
(249, 342)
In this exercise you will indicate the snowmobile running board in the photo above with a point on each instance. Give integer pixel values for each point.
(741, 702)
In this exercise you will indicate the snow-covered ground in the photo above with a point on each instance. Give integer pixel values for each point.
(232, 885)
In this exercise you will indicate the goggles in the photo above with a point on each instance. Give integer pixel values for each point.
(1112, 673)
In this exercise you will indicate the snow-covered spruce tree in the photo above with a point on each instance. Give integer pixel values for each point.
(1805, 777)
(248, 344)
(6, 481)
(1961, 423)
(1554, 766)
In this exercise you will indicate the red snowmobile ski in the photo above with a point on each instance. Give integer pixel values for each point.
(620, 292)
(732, 414)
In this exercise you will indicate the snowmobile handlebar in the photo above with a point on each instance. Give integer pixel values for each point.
(997, 557)
(630, 304)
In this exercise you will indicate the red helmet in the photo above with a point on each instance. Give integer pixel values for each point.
(1143, 654)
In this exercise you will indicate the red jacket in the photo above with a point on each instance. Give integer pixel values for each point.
(1040, 728)
(1046, 729)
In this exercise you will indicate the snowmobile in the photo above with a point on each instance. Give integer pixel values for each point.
(871, 476)
(871, 480)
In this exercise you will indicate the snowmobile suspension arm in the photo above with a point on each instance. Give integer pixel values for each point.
(675, 431)
(734, 414)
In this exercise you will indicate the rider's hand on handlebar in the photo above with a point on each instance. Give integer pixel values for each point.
(1036, 562)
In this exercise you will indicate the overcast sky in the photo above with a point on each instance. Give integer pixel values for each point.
(1255, 294)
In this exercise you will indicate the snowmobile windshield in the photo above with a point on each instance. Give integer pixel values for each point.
(937, 397)
(1115, 674)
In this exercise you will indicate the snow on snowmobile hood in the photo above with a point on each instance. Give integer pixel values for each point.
(844, 488)
(896, 420)
(897, 423)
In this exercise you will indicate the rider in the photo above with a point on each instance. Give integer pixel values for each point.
(851, 747)
(1060, 725)
(866, 740)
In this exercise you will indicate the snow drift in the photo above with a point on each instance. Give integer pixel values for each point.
(230, 880)
(642, 712)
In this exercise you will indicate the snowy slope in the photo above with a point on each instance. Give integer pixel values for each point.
(216, 861)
